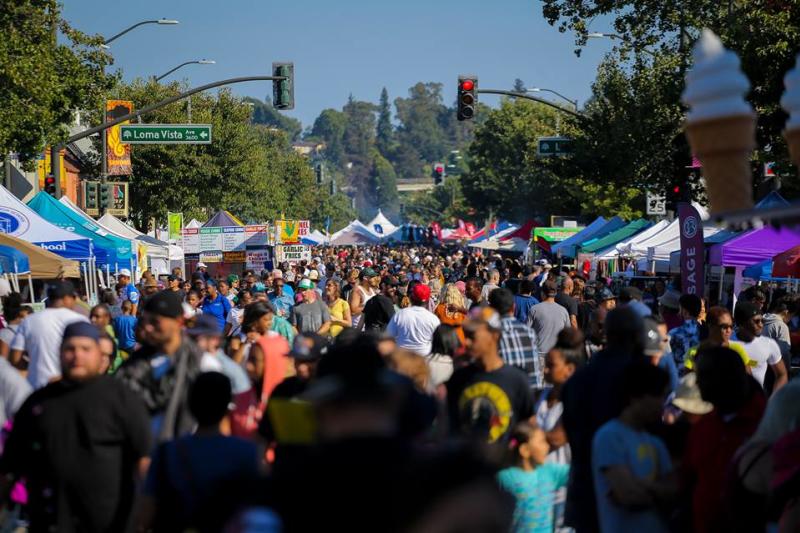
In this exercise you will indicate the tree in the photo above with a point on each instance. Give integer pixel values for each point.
(764, 34)
(329, 127)
(44, 82)
(382, 186)
(384, 137)
(505, 176)
(420, 125)
(448, 199)
(264, 113)
(519, 86)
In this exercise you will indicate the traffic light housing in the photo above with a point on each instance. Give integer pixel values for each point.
(105, 196)
(676, 193)
(91, 195)
(50, 185)
(319, 173)
(438, 173)
(467, 97)
(283, 90)
(332, 185)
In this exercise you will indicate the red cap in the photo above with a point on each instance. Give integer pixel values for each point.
(421, 293)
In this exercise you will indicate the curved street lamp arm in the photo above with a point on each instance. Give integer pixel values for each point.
(167, 73)
(528, 97)
(123, 32)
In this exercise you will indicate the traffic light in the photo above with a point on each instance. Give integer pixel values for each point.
(467, 97)
(332, 185)
(50, 185)
(438, 173)
(676, 193)
(91, 194)
(105, 196)
(319, 173)
(283, 90)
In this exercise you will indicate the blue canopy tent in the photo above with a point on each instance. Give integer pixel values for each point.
(22, 222)
(12, 261)
(762, 270)
(571, 249)
(111, 251)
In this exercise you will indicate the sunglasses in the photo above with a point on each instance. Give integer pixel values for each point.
(725, 326)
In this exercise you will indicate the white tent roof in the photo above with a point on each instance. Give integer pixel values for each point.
(384, 223)
(194, 223)
(19, 220)
(627, 245)
(491, 243)
(316, 236)
(154, 249)
(354, 233)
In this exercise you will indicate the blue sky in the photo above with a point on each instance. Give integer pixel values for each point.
(349, 46)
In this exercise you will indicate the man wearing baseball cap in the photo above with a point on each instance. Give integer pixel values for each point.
(487, 398)
(165, 365)
(127, 290)
(78, 442)
(39, 335)
(413, 326)
(367, 286)
(312, 315)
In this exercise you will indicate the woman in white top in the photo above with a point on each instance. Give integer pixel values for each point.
(369, 281)
(14, 314)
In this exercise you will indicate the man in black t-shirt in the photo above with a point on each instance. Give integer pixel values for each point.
(380, 308)
(488, 398)
(79, 442)
(564, 299)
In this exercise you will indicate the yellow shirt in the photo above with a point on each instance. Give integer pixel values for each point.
(337, 310)
(735, 346)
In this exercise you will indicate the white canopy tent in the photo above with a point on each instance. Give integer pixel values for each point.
(381, 226)
(624, 248)
(353, 234)
(194, 223)
(158, 252)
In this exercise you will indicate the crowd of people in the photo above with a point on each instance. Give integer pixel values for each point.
(399, 389)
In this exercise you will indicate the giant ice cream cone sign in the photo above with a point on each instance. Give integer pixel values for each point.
(720, 124)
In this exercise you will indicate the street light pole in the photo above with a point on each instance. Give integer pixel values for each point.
(539, 89)
(614, 36)
(195, 62)
(142, 23)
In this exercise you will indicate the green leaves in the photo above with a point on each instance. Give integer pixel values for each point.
(43, 81)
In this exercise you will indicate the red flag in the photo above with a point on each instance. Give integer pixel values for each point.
(470, 227)
(437, 230)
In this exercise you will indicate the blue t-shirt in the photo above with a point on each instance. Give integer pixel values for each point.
(646, 456)
(130, 292)
(125, 331)
(283, 304)
(190, 469)
(534, 492)
(522, 306)
(219, 308)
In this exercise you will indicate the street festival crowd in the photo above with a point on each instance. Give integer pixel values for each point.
(399, 389)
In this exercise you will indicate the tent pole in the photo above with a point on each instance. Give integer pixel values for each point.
(85, 279)
(30, 284)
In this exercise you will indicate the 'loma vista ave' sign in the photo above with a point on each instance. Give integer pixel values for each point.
(166, 133)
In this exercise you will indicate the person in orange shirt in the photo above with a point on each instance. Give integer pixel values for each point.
(451, 309)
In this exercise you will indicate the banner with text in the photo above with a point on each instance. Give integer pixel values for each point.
(292, 253)
(225, 239)
(118, 154)
(257, 259)
(692, 253)
(291, 231)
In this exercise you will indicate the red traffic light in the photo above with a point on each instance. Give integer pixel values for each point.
(439, 169)
(676, 189)
(467, 85)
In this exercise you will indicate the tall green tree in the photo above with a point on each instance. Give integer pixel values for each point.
(383, 186)
(329, 127)
(765, 35)
(420, 121)
(384, 137)
(519, 86)
(44, 81)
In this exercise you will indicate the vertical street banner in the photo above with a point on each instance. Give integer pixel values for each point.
(175, 226)
(118, 154)
(692, 252)
(119, 206)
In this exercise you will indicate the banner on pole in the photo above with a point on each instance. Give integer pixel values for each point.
(292, 253)
(118, 154)
(174, 226)
(692, 252)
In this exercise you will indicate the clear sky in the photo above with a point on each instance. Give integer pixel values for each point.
(346, 46)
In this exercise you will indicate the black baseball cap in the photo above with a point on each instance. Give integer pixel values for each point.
(165, 303)
(205, 325)
(60, 289)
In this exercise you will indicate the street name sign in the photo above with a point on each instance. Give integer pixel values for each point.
(166, 133)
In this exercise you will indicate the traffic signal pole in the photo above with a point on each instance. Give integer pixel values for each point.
(529, 97)
(56, 149)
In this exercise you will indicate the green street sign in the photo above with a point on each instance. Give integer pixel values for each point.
(166, 133)
(548, 146)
